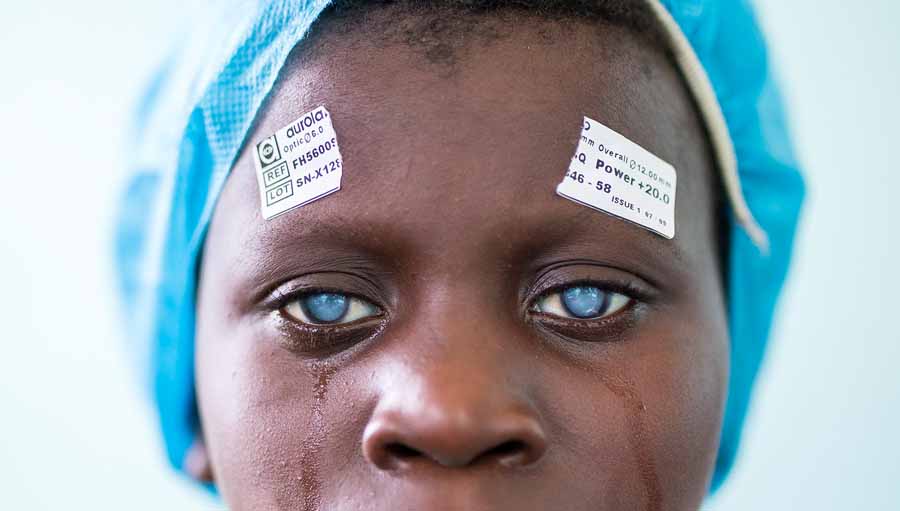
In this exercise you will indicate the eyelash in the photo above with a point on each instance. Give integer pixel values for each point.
(280, 300)
(624, 287)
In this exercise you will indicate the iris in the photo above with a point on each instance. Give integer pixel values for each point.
(585, 301)
(325, 307)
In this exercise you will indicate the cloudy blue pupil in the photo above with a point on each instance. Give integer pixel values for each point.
(585, 301)
(325, 307)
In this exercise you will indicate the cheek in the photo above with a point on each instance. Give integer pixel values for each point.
(646, 421)
(677, 410)
(265, 415)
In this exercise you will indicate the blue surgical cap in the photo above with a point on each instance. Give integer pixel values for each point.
(200, 106)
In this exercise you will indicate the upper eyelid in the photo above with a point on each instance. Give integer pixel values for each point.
(349, 284)
(285, 299)
(629, 290)
(566, 273)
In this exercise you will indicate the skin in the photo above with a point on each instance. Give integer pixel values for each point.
(459, 395)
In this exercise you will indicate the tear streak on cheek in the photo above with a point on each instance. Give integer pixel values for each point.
(635, 410)
(311, 454)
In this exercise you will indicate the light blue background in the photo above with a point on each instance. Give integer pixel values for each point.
(74, 434)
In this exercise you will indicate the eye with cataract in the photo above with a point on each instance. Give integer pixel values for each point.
(582, 302)
(329, 308)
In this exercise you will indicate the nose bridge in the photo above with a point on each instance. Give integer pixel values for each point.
(466, 384)
(470, 362)
(470, 365)
(465, 341)
(461, 400)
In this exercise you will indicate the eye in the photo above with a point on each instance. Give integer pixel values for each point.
(327, 308)
(582, 302)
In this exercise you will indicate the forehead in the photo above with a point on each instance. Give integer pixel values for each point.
(467, 151)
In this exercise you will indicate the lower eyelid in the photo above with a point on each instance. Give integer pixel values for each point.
(612, 328)
(309, 339)
(614, 331)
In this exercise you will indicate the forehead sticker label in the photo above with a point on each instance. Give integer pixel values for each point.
(614, 175)
(300, 163)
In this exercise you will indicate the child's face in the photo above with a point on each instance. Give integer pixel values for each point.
(452, 390)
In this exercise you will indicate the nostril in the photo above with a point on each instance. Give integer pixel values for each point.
(396, 441)
(505, 449)
(401, 451)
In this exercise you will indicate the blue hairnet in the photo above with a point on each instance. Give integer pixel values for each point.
(199, 109)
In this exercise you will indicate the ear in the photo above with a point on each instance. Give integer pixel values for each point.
(197, 463)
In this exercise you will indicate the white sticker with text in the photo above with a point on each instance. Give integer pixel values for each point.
(614, 175)
(300, 163)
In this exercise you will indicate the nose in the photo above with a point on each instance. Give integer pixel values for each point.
(453, 425)
(395, 441)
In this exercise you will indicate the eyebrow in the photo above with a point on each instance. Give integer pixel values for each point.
(363, 245)
(658, 242)
(647, 254)
(316, 250)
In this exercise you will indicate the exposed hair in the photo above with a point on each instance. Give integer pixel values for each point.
(630, 13)
(441, 27)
